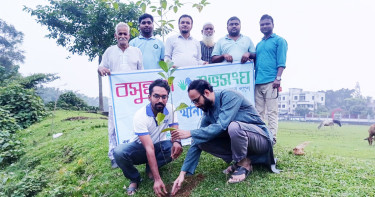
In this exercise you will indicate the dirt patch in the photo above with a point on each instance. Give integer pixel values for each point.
(81, 118)
(188, 185)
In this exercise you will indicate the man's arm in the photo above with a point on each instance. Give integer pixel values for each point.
(168, 50)
(103, 69)
(282, 48)
(276, 83)
(221, 58)
(159, 187)
(176, 147)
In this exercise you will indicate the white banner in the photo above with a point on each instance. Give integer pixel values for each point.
(130, 92)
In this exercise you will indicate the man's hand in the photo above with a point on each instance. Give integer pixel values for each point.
(103, 71)
(159, 188)
(228, 57)
(245, 57)
(180, 134)
(176, 150)
(205, 63)
(276, 84)
(178, 183)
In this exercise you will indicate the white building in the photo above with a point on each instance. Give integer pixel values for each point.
(296, 97)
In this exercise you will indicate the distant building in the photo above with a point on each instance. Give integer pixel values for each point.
(296, 97)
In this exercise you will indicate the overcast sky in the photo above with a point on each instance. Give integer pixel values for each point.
(329, 42)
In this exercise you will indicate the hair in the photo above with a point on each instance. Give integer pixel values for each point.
(200, 85)
(233, 18)
(144, 16)
(122, 24)
(208, 23)
(266, 16)
(160, 83)
(185, 16)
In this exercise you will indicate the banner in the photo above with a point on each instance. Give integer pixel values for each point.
(130, 92)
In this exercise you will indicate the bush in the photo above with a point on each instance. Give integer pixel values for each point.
(10, 146)
(23, 104)
(70, 101)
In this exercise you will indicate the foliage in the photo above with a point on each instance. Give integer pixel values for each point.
(10, 146)
(336, 99)
(70, 101)
(23, 104)
(357, 106)
(163, 7)
(33, 80)
(10, 39)
(337, 163)
(302, 111)
(85, 26)
(8, 75)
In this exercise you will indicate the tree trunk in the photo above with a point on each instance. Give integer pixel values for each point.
(101, 108)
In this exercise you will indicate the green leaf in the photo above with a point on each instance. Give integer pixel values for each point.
(143, 6)
(164, 4)
(172, 70)
(170, 81)
(163, 66)
(160, 118)
(181, 107)
(159, 12)
(171, 25)
(163, 75)
(115, 5)
(168, 129)
(175, 9)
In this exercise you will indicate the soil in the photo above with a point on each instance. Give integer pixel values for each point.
(188, 185)
(81, 118)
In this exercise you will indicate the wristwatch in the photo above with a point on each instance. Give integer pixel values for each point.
(278, 78)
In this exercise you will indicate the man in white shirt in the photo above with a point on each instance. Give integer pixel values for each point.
(118, 58)
(149, 145)
(183, 50)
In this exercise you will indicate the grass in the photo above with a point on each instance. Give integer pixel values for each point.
(338, 162)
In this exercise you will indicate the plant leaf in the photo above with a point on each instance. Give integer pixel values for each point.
(164, 4)
(172, 70)
(163, 75)
(159, 118)
(170, 81)
(168, 129)
(181, 107)
(175, 9)
(163, 66)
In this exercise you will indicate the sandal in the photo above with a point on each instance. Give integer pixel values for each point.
(130, 191)
(230, 169)
(240, 171)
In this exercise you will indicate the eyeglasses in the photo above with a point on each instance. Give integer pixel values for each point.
(157, 96)
(195, 101)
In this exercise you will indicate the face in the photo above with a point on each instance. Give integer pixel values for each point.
(266, 26)
(122, 35)
(208, 30)
(158, 98)
(234, 27)
(146, 26)
(200, 101)
(185, 25)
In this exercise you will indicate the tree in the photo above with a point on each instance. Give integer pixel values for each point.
(86, 27)
(302, 111)
(162, 8)
(336, 99)
(10, 54)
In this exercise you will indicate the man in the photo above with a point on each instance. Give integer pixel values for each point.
(234, 47)
(207, 44)
(231, 129)
(152, 48)
(270, 64)
(118, 58)
(150, 145)
(183, 50)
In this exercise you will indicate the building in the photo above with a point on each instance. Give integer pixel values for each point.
(296, 97)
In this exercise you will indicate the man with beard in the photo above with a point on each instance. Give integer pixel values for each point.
(118, 58)
(183, 50)
(152, 48)
(207, 44)
(149, 145)
(270, 64)
(234, 47)
(231, 129)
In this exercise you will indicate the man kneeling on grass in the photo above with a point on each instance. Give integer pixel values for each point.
(231, 129)
(150, 145)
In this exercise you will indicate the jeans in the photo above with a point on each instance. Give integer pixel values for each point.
(130, 154)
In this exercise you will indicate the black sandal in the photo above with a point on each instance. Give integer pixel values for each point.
(133, 189)
(240, 171)
(232, 168)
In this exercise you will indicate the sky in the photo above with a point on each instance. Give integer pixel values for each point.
(327, 45)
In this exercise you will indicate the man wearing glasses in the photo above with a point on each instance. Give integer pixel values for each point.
(149, 145)
(231, 129)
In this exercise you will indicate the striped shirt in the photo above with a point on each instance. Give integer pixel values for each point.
(206, 52)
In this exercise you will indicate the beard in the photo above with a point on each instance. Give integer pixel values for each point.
(159, 107)
(208, 104)
(208, 40)
(234, 34)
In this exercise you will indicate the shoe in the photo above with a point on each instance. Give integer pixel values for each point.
(240, 171)
(114, 164)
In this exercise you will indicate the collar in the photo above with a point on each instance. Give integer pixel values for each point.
(271, 36)
(189, 38)
(142, 37)
(227, 37)
(150, 113)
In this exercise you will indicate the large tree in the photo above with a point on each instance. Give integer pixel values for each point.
(86, 27)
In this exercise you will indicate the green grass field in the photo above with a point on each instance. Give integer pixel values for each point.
(338, 162)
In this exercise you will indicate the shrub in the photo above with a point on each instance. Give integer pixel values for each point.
(23, 104)
(70, 101)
